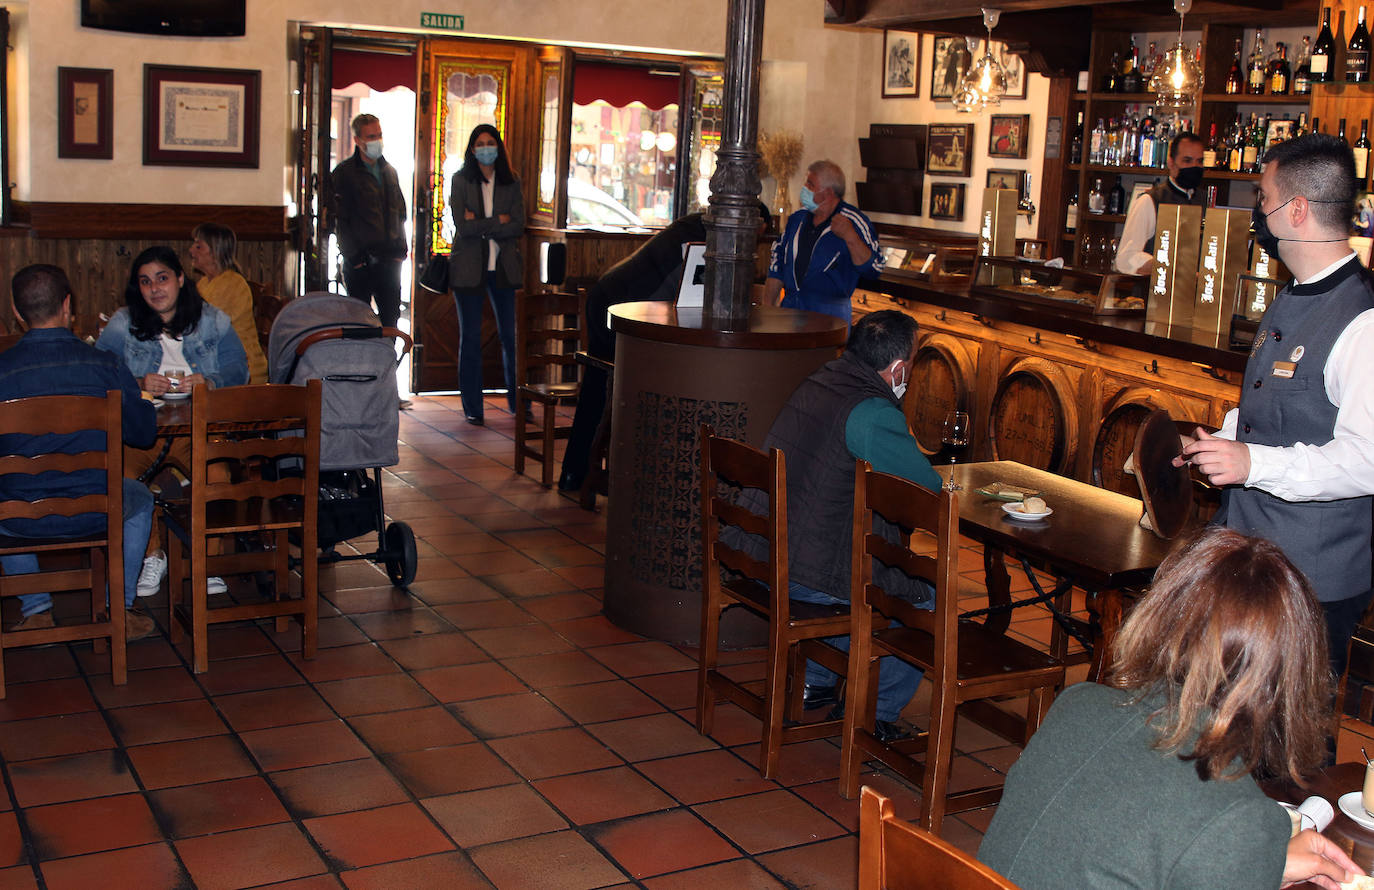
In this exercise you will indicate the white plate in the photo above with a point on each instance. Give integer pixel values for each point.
(1014, 511)
(157, 403)
(175, 395)
(1353, 806)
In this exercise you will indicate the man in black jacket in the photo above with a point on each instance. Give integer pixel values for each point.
(369, 219)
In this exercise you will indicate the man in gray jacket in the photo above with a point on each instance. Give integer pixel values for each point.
(369, 220)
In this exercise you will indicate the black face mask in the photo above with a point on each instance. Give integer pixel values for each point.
(1189, 178)
(1259, 224)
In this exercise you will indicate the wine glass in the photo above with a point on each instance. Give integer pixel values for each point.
(954, 437)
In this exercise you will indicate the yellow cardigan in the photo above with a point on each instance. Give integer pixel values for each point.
(229, 293)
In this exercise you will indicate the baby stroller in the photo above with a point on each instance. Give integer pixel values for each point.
(340, 341)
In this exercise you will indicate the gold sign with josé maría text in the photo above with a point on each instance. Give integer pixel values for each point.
(1225, 240)
(1173, 282)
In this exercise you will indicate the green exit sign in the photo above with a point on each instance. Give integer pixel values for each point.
(441, 20)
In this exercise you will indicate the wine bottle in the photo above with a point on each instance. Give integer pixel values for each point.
(1111, 81)
(1130, 78)
(1116, 199)
(1076, 142)
(1249, 150)
(1361, 151)
(1280, 74)
(1071, 214)
(1235, 78)
(1357, 53)
(1302, 74)
(1323, 51)
(1340, 132)
(1254, 84)
(1098, 143)
(1097, 202)
(1209, 154)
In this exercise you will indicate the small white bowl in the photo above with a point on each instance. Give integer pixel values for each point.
(1016, 511)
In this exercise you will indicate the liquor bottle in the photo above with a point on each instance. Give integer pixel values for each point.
(1130, 142)
(1357, 53)
(1235, 78)
(1116, 199)
(1316, 125)
(1340, 133)
(1323, 51)
(1111, 81)
(1257, 138)
(1098, 143)
(1111, 147)
(1209, 154)
(1300, 128)
(1302, 74)
(1280, 75)
(1254, 84)
(1076, 142)
(1151, 65)
(1361, 151)
(1130, 78)
(1147, 141)
(1249, 151)
(1071, 214)
(1097, 201)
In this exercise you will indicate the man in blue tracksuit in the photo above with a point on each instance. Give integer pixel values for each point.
(827, 247)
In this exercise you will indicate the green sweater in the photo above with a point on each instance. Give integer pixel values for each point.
(876, 431)
(1091, 805)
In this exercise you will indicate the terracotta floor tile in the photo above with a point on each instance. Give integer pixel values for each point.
(638, 659)
(384, 834)
(737, 874)
(825, 796)
(557, 669)
(71, 777)
(495, 563)
(11, 842)
(249, 856)
(248, 674)
(153, 867)
(436, 771)
(584, 577)
(562, 606)
(338, 788)
(833, 863)
(345, 662)
(402, 625)
(314, 882)
(768, 821)
(20, 877)
(371, 695)
(558, 861)
(46, 698)
(650, 737)
(468, 681)
(598, 796)
(462, 544)
(166, 721)
(40, 663)
(490, 815)
(708, 775)
(483, 614)
(452, 871)
(379, 597)
(538, 582)
(594, 630)
(54, 736)
(247, 711)
(433, 650)
(509, 714)
(190, 761)
(441, 591)
(396, 731)
(801, 762)
(661, 842)
(90, 826)
(304, 744)
(214, 807)
(554, 753)
(598, 702)
(677, 690)
(513, 642)
(732, 725)
(240, 640)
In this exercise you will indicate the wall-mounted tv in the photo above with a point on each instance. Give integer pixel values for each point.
(201, 18)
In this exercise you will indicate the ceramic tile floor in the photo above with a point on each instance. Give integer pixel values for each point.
(488, 729)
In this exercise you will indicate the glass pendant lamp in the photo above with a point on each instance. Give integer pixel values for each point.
(1177, 80)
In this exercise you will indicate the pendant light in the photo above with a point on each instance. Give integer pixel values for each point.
(1177, 80)
(985, 83)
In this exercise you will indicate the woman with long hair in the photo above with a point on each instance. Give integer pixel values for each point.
(488, 220)
(222, 285)
(1219, 677)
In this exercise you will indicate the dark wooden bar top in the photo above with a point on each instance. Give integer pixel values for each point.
(768, 327)
(1134, 333)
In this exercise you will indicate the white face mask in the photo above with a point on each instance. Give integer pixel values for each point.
(899, 389)
(373, 148)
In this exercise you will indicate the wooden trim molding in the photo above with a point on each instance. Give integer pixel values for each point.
(153, 221)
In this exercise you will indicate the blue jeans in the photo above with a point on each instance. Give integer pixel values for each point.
(897, 679)
(138, 525)
(469, 301)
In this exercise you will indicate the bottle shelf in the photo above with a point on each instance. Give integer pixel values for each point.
(1227, 174)
(1262, 99)
(1085, 216)
(1128, 98)
(1128, 171)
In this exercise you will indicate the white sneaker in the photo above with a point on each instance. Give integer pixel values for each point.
(154, 569)
(214, 585)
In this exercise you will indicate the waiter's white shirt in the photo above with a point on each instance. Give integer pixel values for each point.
(1138, 229)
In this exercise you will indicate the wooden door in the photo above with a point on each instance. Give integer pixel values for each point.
(310, 227)
(463, 84)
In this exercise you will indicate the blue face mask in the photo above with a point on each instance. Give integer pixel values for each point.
(373, 148)
(808, 199)
(486, 154)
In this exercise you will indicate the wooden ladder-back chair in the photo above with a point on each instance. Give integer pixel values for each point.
(759, 585)
(266, 306)
(101, 571)
(251, 431)
(964, 662)
(548, 332)
(896, 855)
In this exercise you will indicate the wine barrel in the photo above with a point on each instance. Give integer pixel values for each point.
(1115, 439)
(1033, 419)
(941, 380)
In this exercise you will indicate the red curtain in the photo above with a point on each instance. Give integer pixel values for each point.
(381, 71)
(622, 84)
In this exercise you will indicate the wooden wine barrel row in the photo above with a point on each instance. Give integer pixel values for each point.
(942, 378)
(1034, 417)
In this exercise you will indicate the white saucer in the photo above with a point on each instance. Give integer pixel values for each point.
(1352, 805)
(1014, 511)
(175, 395)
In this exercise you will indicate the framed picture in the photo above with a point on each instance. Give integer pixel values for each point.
(950, 58)
(948, 149)
(1007, 179)
(1279, 131)
(201, 117)
(947, 200)
(1015, 69)
(85, 113)
(901, 64)
(1007, 135)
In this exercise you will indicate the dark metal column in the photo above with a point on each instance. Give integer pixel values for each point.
(732, 219)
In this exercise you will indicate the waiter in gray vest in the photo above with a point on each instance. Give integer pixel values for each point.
(1135, 253)
(1298, 454)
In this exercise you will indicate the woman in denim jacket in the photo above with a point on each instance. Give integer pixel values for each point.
(170, 338)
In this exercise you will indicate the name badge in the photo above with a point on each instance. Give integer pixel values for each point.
(1284, 369)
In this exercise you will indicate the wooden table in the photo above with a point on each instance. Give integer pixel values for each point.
(1331, 783)
(1093, 540)
(174, 418)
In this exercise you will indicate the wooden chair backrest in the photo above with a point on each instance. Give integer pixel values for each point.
(549, 331)
(64, 415)
(895, 854)
(744, 469)
(265, 309)
(929, 523)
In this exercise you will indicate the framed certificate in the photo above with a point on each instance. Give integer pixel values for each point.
(201, 117)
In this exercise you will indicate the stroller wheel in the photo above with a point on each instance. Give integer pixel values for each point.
(401, 559)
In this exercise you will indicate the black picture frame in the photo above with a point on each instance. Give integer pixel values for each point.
(947, 200)
(1008, 135)
(901, 64)
(949, 61)
(201, 117)
(947, 152)
(1006, 178)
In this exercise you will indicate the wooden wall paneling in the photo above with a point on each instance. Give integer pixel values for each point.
(1053, 172)
(1090, 387)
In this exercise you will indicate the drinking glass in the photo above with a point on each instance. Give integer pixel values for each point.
(175, 380)
(954, 438)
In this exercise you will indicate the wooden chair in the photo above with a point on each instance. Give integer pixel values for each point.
(548, 332)
(895, 855)
(94, 562)
(598, 471)
(265, 308)
(241, 428)
(964, 662)
(759, 585)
